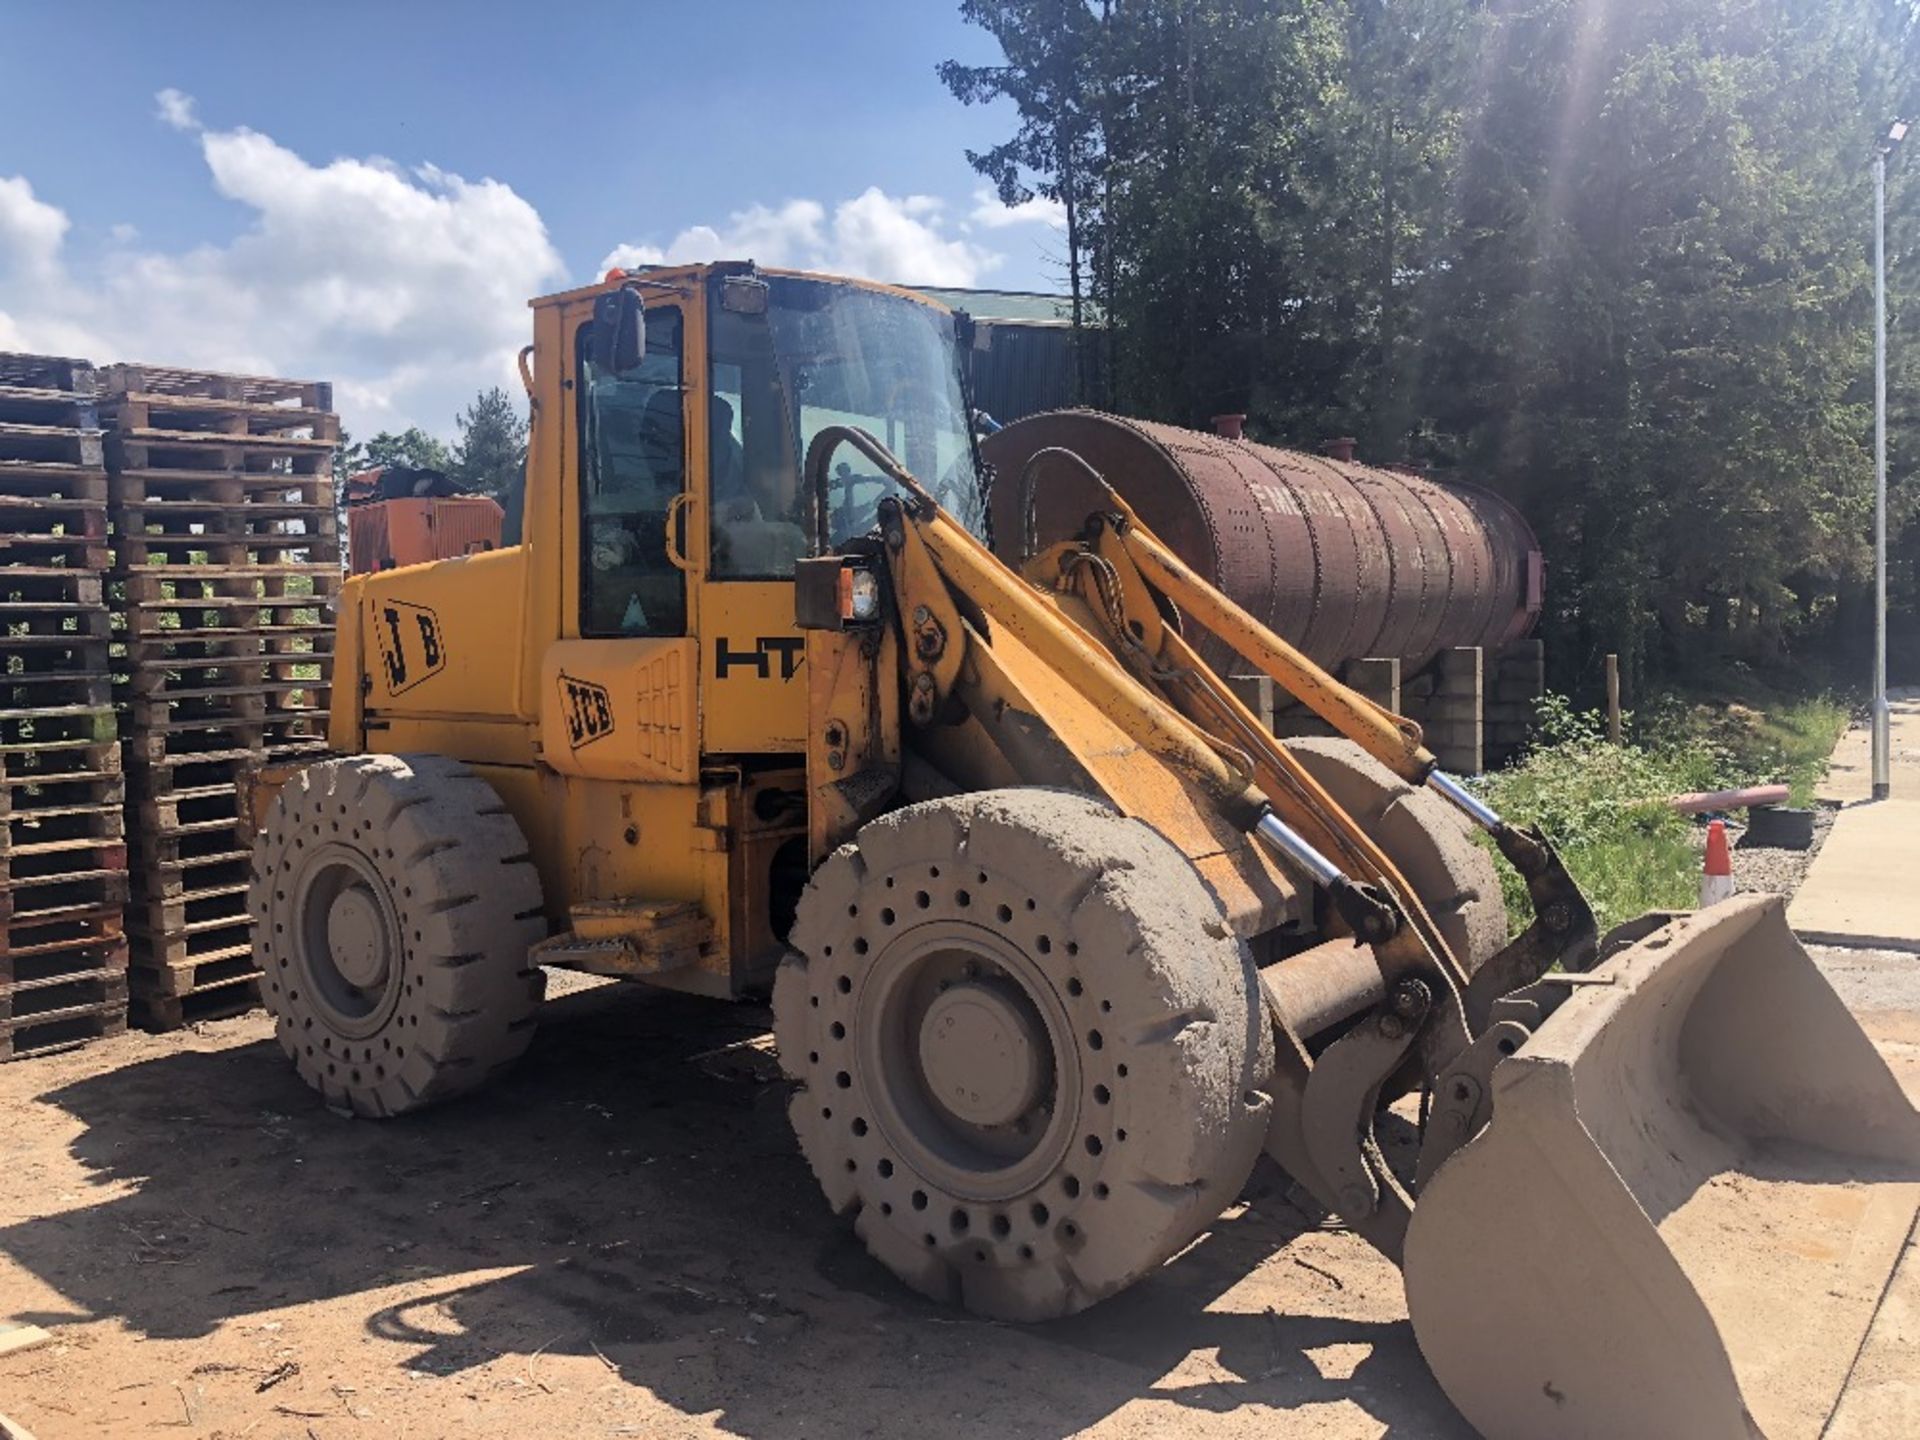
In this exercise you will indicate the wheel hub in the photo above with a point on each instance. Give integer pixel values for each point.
(970, 1070)
(980, 1050)
(357, 938)
(347, 944)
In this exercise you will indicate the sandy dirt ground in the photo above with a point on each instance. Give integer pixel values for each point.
(623, 1241)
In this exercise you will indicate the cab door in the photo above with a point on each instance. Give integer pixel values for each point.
(621, 694)
(753, 686)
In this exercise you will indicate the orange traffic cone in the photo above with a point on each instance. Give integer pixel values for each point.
(1716, 879)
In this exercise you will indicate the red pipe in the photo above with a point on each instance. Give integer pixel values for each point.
(1700, 802)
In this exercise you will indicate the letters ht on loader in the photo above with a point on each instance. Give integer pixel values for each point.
(1058, 940)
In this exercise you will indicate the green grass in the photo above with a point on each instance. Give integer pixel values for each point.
(1606, 807)
(1789, 740)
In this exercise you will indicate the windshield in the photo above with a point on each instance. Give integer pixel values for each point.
(828, 354)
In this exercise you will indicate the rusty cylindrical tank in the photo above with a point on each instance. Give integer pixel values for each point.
(1344, 560)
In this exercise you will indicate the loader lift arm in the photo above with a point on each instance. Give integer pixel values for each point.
(1145, 676)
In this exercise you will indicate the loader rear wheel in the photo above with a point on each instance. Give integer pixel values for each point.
(1030, 1054)
(394, 903)
(1427, 840)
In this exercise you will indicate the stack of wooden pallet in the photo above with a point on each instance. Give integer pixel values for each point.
(63, 862)
(227, 547)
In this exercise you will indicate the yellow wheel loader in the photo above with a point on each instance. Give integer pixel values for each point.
(1059, 939)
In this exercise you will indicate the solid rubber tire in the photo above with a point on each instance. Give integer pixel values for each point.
(1170, 1106)
(455, 868)
(1429, 842)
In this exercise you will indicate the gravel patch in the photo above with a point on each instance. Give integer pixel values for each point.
(1767, 868)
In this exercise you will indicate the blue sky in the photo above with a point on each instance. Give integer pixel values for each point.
(367, 192)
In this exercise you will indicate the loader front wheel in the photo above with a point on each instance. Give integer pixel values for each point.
(1429, 842)
(1030, 1055)
(394, 903)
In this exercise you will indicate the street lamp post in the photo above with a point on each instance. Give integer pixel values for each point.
(1882, 713)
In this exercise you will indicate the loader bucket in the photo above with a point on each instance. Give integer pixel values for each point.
(1696, 1183)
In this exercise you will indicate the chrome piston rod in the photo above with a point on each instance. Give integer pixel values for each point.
(1465, 801)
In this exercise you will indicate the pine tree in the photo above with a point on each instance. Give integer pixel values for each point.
(491, 453)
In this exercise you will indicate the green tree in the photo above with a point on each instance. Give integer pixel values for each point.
(1052, 76)
(1610, 260)
(1650, 323)
(491, 453)
(412, 446)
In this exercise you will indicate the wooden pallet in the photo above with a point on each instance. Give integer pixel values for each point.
(63, 859)
(189, 805)
(38, 445)
(177, 618)
(63, 915)
(128, 379)
(153, 415)
(217, 760)
(27, 587)
(34, 948)
(96, 760)
(193, 955)
(216, 903)
(87, 1012)
(50, 862)
(227, 552)
(155, 775)
(268, 551)
(63, 548)
(38, 689)
(51, 726)
(186, 843)
(162, 882)
(271, 742)
(50, 406)
(48, 815)
(170, 1012)
(51, 515)
(248, 503)
(56, 799)
(185, 490)
(258, 455)
(48, 372)
(266, 729)
(308, 644)
(192, 587)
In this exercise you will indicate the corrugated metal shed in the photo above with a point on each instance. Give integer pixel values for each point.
(1023, 358)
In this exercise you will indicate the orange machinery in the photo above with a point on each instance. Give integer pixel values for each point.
(399, 515)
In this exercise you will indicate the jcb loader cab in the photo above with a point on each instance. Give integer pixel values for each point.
(1059, 940)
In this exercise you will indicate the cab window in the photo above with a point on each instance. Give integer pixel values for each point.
(633, 457)
(758, 518)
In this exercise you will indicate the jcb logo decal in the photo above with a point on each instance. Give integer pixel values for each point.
(789, 649)
(410, 648)
(588, 708)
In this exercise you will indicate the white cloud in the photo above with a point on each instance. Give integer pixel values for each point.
(176, 109)
(631, 257)
(874, 235)
(408, 289)
(988, 211)
(405, 286)
(31, 233)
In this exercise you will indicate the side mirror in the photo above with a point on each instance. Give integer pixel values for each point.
(619, 331)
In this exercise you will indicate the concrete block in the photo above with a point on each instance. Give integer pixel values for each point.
(1256, 693)
(1377, 678)
(1463, 663)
